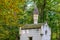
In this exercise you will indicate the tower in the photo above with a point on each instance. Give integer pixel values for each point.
(35, 15)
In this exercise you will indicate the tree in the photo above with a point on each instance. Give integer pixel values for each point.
(10, 13)
(49, 11)
(15, 13)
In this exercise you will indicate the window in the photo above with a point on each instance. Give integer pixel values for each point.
(46, 32)
(23, 31)
(30, 38)
(27, 31)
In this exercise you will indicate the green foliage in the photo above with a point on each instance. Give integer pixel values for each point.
(15, 13)
(10, 12)
(50, 10)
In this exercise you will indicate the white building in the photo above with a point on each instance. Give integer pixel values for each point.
(39, 31)
(36, 31)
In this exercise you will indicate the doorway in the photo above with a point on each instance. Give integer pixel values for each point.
(30, 38)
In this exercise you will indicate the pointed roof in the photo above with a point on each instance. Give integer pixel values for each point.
(35, 10)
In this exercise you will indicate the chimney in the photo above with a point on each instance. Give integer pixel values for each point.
(35, 15)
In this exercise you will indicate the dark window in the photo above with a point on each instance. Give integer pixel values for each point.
(30, 38)
(46, 32)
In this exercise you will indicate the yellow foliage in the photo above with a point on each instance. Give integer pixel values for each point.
(16, 10)
(54, 35)
(2, 35)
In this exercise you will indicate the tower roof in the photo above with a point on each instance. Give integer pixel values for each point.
(35, 10)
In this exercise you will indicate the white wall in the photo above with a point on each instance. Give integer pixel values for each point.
(34, 33)
(48, 35)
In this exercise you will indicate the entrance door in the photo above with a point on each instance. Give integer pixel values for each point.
(30, 38)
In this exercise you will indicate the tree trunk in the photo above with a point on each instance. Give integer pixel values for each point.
(42, 11)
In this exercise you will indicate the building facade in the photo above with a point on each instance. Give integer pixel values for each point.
(39, 31)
